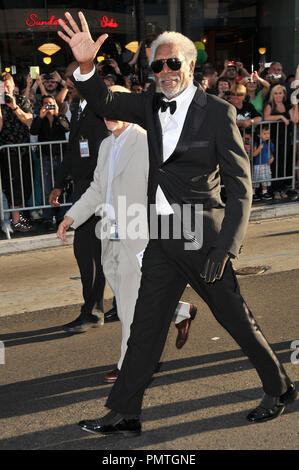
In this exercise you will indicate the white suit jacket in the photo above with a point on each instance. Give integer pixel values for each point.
(129, 190)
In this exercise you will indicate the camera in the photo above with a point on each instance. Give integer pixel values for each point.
(46, 76)
(50, 106)
(7, 98)
(249, 79)
(227, 93)
(274, 76)
(105, 63)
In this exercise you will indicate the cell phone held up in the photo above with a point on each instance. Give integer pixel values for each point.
(7, 98)
(34, 71)
(50, 106)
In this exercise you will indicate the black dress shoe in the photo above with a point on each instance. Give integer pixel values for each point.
(262, 413)
(111, 315)
(184, 327)
(123, 427)
(82, 324)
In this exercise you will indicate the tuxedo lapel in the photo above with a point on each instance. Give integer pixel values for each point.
(75, 122)
(193, 121)
(156, 132)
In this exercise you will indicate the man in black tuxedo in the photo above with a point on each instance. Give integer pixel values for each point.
(87, 131)
(193, 138)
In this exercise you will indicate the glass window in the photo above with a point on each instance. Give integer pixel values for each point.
(25, 25)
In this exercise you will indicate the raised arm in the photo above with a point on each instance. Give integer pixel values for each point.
(104, 103)
(81, 42)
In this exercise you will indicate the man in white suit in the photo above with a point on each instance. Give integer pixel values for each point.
(119, 191)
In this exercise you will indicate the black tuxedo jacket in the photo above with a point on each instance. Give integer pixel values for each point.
(210, 145)
(91, 127)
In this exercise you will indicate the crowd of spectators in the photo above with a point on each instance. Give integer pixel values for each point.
(40, 111)
(263, 95)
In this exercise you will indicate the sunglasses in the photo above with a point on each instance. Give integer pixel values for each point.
(173, 63)
(237, 94)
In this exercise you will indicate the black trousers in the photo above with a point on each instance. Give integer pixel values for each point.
(167, 268)
(87, 250)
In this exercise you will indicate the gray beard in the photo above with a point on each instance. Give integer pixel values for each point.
(173, 94)
(169, 95)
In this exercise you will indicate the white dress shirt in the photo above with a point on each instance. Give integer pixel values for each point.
(172, 125)
(114, 156)
(82, 104)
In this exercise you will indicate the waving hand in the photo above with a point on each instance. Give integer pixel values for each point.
(81, 42)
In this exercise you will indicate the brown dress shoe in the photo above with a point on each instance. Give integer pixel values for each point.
(184, 327)
(111, 376)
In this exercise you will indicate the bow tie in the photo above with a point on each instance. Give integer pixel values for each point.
(167, 104)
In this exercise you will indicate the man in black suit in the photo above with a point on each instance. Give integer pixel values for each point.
(86, 134)
(193, 138)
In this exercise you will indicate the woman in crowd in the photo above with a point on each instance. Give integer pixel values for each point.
(279, 110)
(247, 115)
(255, 93)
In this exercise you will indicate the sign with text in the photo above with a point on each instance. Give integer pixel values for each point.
(35, 20)
(106, 23)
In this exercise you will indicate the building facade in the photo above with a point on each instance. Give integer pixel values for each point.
(230, 29)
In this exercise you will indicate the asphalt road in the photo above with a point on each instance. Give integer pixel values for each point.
(198, 400)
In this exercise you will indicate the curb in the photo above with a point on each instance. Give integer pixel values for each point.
(38, 242)
(273, 211)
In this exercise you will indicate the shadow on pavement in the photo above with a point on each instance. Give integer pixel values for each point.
(72, 437)
(61, 390)
(34, 336)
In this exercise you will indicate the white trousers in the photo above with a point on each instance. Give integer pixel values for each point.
(123, 276)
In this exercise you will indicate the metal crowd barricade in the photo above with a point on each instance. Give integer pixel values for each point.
(289, 159)
(38, 147)
(296, 152)
(15, 151)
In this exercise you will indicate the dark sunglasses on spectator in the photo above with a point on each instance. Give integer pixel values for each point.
(173, 63)
(237, 94)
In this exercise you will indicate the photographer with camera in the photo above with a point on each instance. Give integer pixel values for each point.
(50, 125)
(47, 84)
(15, 118)
(223, 89)
(276, 76)
(110, 72)
(52, 83)
(234, 72)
